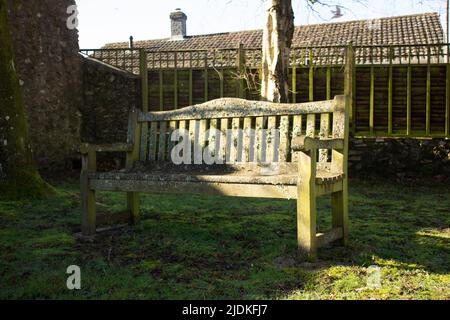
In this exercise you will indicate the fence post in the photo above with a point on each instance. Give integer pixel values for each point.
(349, 83)
(143, 71)
(241, 70)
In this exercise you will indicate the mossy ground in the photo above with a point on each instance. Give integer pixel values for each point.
(195, 247)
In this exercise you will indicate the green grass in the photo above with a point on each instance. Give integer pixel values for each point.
(195, 247)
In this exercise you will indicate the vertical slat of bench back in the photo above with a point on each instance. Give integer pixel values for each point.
(194, 128)
(296, 132)
(271, 140)
(247, 152)
(162, 141)
(284, 139)
(202, 132)
(173, 125)
(223, 139)
(311, 125)
(324, 133)
(144, 142)
(259, 142)
(234, 143)
(152, 138)
(341, 131)
(213, 138)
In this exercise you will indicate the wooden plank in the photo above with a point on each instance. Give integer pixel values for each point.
(162, 141)
(223, 139)
(152, 141)
(190, 85)
(247, 155)
(206, 75)
(294, 77)
(428, 102)
(408, 100)
(239, 108)
(390, 94)
(88, 208)
(241, 70)
(161, 91)
(324, 134)
(224, 189)
(271, 140)
(221, 75)
(143, 71)
(328, 83)
(194, 128)
(259, 141)
(144, 142)
(350, 82)
(235, 146)
(447, 102)
(306, 205)
(175, 88)
(372, 100)
(201, 139)
(173, 125)
(213, 142)
(284, 139)
(311, 77)
(311, 125)
(296, 132)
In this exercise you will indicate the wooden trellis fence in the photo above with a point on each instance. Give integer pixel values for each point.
(398, 91)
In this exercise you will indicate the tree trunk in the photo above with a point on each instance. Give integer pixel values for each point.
(277, 40)
(19, 178)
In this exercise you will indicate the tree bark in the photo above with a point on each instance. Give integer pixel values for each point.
(277, 41)
(19, 177)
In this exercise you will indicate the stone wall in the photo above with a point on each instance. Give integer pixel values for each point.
(49, 67)
(109, 94)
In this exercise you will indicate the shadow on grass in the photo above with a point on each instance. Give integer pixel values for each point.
(192, 247)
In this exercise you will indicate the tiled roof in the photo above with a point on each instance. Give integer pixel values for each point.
(413, 29)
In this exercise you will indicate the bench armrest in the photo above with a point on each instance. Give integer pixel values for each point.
(116, 147)
(304, 143)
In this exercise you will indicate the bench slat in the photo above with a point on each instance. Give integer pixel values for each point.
(162, 141)
(170, 144)
(324, 134)
(247, 155)
(296, 132)
(271, 139)
(144, 142)
(259, 143)
(234, 143)
(311, 125)
(284, 139)
(152, 141)
(239, 108)
(223, 139)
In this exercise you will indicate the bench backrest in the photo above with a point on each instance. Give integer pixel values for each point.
(250, 131)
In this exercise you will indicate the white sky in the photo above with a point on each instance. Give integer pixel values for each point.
(104, 21)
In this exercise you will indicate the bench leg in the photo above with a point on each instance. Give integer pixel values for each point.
(88, 223)
(339, 207)
(133, 206)
(306, 221)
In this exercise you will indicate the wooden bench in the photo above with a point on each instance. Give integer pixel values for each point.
(304, 159)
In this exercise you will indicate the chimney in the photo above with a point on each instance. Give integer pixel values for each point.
(178, 25)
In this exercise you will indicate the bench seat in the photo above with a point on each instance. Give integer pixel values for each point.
(262, 175)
